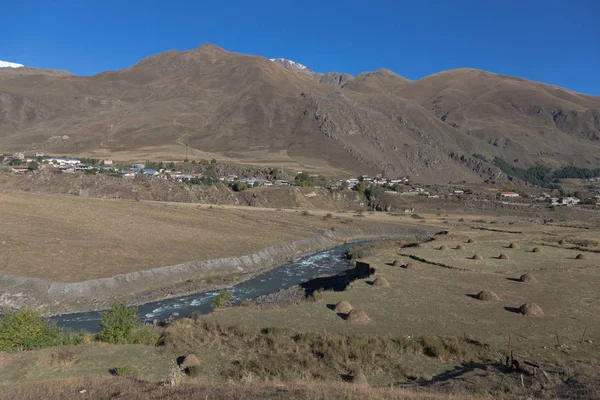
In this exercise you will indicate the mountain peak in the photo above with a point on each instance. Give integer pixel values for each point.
(6, 64)
(291, 65)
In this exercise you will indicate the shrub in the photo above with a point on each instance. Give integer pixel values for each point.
(360, 251)
(303, 179)
(305, 213)
(328, 216)
(225, 299)
(118, 324)
(147, 335)
(239, 186)
(416, 216)
(25, 329)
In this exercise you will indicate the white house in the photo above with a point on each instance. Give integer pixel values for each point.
(509, 194)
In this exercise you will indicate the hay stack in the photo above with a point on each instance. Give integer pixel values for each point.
(531, 310)
(359, 379)
(477, 257)
(514, 245)
(503, 257)
(528, 278)
(470, 240)
(443, 247)
(343, 307)
(357, 316)
(562, 242)
(381, 282)
(410, 266)
(460, 247)
(397, 263)
(190, 361)
(487, 295)
(537, 250)
(581, 257)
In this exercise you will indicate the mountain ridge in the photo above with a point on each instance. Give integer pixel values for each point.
(249, 108)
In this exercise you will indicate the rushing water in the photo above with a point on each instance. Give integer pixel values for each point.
(283, 277)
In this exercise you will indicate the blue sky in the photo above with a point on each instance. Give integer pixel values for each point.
(551, 41)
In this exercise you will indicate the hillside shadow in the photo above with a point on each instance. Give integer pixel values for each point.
(512, 309)
(338, 283)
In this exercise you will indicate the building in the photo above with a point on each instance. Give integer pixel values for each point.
(19, 169)
(509, 194)
(108, 162)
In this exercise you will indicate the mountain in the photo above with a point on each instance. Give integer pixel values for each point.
(6, 64)
(336, 79)
(250, 109)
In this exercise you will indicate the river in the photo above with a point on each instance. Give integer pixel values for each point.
(285, 276)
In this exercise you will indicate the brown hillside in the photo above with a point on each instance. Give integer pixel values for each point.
(515, 118)
(238, 107)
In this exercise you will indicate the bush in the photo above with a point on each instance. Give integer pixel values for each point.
(25, 329)
(360, 251)
(118, 324)
(302, 179)
(416, 216)
(147, 335)
(225, 299)
(239, 186)
(305, 213)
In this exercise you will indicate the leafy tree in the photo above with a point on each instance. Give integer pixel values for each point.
(213, 161)
(374, 192)
(33, 166)
(118, 324)
(25, 329)
(361, 187)
(302, 179)
(239, 186)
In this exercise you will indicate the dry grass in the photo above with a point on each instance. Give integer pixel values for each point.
(343, 307)
(357, 316)
(531, 310)
(527, 278)
(487, 295)
(101, 237)
(105, 388)
(280, 354)
(381, 282)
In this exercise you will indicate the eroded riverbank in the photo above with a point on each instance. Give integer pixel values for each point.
(174, 281)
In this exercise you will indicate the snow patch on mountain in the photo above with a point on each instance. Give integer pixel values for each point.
(289, 62)
(6, 64)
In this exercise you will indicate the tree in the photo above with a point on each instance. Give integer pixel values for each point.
(302, 179)
(118, 324)
(33, 166)
(239, 186)
(213, 161)
(25, 329)
(361, 187)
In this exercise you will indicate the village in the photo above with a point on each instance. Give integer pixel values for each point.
(19, 163)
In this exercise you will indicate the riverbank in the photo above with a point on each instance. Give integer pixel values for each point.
(51, 298)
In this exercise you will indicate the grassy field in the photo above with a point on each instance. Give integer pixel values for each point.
(69, 238)
(426, 328)
(439, 300)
